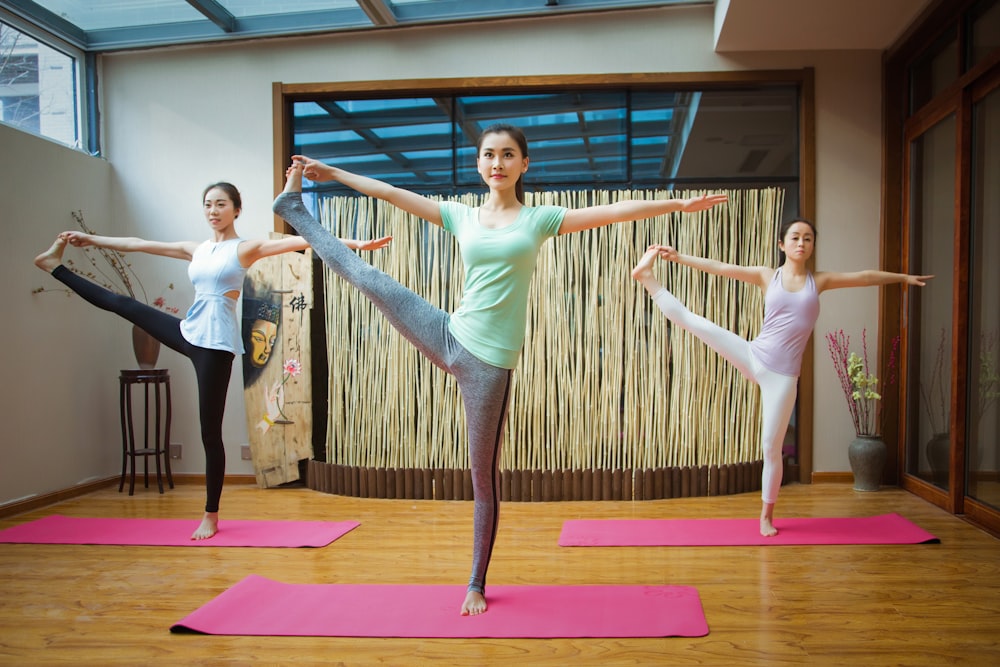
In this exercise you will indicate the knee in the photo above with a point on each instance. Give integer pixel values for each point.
(212, 441)
(772, 454)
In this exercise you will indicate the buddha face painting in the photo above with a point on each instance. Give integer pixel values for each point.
(263, 333)
(262, 336)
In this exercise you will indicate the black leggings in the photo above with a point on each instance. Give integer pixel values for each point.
(212, 368)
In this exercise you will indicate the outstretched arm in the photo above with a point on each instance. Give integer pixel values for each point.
(755, 275)
(826, 280)
(251, 251)
(579, 219)
(411, 202)
(178, 250)
(367, 244)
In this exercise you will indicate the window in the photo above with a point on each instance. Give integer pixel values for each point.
(38, 87)
(935, 70)
(985, 31)
(603, 137)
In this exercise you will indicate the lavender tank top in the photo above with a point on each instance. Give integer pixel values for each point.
(789, 319)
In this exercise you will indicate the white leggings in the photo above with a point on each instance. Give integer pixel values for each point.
(777, 391)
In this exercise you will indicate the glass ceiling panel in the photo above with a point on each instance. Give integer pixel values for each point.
(246, 8)
(91, 15)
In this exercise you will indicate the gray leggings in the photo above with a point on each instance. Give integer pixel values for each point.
(485, 388)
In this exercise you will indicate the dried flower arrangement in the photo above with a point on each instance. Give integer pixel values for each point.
(860, 386)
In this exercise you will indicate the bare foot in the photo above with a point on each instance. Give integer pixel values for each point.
(52, 257)
(767, 528)
(644, 269)
(209, 526)
(293, 178)
(475, 603)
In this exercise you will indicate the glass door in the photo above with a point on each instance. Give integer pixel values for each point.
(930, 326)
(983, 408)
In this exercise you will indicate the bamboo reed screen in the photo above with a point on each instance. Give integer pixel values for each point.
(604, 383)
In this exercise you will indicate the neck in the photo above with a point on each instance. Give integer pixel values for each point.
(502, 199)
(223, 234)
(794, 267)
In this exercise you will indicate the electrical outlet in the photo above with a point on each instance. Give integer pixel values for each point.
(175, 450)
(245, 453)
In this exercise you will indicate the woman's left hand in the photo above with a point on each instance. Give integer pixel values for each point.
(703, 202)
(919, 281)
(374, 244)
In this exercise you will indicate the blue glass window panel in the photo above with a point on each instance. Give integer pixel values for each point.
(123, 13)
(576, 139)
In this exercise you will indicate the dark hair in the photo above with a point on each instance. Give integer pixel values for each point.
(783, 232)
(522, 143)
(230, 190)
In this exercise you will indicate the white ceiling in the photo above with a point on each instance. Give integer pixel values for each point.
(809, 25)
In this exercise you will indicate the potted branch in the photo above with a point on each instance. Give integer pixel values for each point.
(867, 452)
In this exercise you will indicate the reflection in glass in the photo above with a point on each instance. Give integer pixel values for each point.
(932, 225)
(985, 18)
(619, 138)
(569, 135)
(984, 317)
(936, 69)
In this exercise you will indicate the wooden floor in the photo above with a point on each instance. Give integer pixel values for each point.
(843, 605)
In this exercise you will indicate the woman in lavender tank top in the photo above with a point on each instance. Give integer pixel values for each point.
(773, 358)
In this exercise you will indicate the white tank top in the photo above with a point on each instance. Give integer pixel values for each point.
(211, 321)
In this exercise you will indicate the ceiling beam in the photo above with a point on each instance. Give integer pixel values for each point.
(380, 13)
(215, 13)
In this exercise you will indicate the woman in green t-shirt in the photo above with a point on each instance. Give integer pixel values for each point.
(480, 342)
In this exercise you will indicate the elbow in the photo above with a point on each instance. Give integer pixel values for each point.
(870, 278)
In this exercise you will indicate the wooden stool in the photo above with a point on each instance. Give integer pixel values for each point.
(160, 445)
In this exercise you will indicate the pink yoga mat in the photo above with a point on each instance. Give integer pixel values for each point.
(57, 529)
(262, 607)
(882, 529)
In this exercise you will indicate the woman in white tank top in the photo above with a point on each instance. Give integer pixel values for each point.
(209, 334)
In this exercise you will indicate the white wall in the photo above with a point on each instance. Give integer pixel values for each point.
(62, 356)
(177, 119)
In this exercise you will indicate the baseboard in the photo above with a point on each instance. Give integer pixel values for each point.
(35, 502)
(44, 500)
(832, 478)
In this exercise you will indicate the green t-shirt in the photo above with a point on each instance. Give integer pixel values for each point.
(491, 320)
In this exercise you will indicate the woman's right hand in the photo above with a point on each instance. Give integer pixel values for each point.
(666, 252)
(78, 239)
(313, 169)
